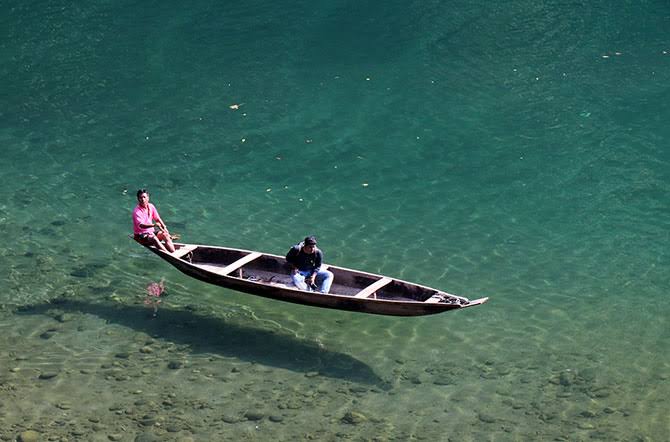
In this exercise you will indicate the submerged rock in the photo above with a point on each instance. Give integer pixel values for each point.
(254, 415)
(28, 436)
(230, 419)
(172, 428)
(48, 375)
(588, 374)
(175, 365)
(148, 421)
(600, 392)
(48, 334)
(64, 317)
(486, 418)
(567, 378)
(354, 418)
(444, 380)
(588, 414)
(147, 437)
(585, 426)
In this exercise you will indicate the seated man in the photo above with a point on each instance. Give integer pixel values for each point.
(305, 261)
(145, 218)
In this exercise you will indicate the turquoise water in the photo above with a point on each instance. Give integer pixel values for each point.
(514, 151)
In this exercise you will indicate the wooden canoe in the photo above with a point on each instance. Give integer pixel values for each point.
(267, 275)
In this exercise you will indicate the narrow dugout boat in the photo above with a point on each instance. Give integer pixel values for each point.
(267, 275)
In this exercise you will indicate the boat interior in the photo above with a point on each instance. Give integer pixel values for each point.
(273, 270)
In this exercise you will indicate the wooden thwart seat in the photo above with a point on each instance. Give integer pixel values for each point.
(367, 291)
(180, 253)
(239, 263)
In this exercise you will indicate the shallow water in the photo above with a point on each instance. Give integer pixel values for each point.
(516, 152)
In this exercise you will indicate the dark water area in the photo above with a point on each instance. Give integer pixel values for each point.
(210, 335)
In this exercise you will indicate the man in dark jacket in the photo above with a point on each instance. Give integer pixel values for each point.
(305, 260)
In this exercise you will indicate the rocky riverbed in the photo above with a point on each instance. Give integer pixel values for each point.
(104, 370)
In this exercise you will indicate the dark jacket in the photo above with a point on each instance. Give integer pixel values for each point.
(304, 262)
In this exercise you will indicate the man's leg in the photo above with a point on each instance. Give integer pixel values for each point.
(157, 242)
(326, 278)
(299, 281)
(168, 241)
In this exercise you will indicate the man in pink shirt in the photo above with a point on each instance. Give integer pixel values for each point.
(145, 219)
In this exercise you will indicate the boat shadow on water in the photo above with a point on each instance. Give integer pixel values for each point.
(213, 335)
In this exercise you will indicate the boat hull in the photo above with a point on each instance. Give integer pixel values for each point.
(315, 299)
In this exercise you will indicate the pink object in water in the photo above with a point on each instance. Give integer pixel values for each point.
(154, 291)
(156, 288)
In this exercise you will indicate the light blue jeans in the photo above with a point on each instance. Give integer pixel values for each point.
(323, 280)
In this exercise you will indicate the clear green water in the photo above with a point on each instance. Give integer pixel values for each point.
(516, 151)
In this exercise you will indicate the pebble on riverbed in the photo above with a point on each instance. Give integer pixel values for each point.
(28, 436)
(354, 418)
(48, 375)
(175, 365)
